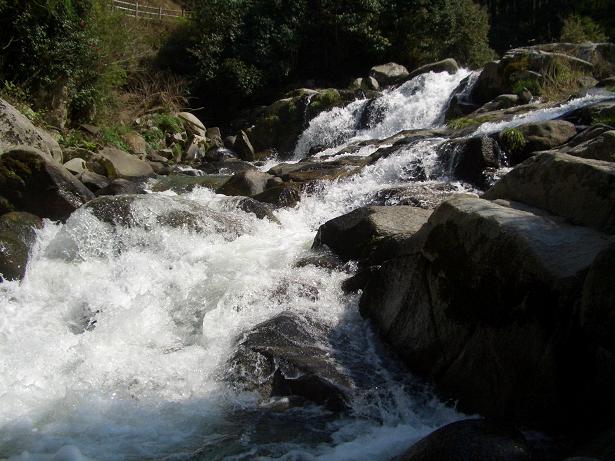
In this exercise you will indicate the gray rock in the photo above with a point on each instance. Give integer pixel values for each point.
(93, 181)
(580, 190)
(76, 166)
(120, 187)
(447, 65)
(125, 165)
(17, 235)
(484, 306)
(32, 181)
(136, 143)
(243, 147)
(503, 101)
(182, 184)
(539, 136)
(192, 124)
(370, 230)
(389, 74)
(246, 183)
(470, 159)
(282, 195)
(289, 355)
(470, 440)
(17, 130)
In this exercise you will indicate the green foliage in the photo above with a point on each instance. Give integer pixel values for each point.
(153, 137)
(513, 140)
(580, 29)
(76, 138)
(604, 119)
(20, 99)
(559, 80)
(465, 122)
(113, 136)
(248, 51)
(531, 85)
(168, 123)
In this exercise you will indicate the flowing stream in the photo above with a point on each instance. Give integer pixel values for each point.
(114, 346)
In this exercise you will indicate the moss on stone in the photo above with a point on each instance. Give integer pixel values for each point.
(513, 140)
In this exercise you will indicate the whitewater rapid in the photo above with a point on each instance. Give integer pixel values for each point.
(114, 345)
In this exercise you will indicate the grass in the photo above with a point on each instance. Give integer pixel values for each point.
(168, 123)
(113, 136)
(559, 80)
(465, 122)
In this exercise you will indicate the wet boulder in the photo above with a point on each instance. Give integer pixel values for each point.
(17, 235)
(503, 101)
(601, 147)
(446, 65)
(181, 184)
(374, 231)
(32, 181)
(290, 355)
(598, 112)
(389, 74)
(258, 209)
(121, 187)
(427, 196)
(151, 210)
(17, 130)
(280, 196)
(470, 440)
(580, 190)
(246, 183)
(486, 307)
(471, 159)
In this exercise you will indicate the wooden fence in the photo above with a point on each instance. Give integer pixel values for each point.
(139, 9)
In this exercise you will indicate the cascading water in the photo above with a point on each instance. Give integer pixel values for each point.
(114, 345)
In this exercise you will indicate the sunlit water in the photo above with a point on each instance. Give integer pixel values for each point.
(114, 346)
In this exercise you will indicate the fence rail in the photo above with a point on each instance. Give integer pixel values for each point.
(142, 10)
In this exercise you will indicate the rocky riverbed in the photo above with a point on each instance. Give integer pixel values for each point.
(361, 273)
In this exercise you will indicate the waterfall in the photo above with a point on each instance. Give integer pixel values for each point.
(114, 345)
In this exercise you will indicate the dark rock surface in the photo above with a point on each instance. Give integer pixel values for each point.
(17, 235)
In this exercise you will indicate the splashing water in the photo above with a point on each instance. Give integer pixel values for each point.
(418, 103)
(113, 346)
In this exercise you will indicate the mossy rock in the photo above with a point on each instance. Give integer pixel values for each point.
(17, 235)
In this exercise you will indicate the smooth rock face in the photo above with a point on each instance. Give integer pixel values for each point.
(283, 195)
(17, 235)
(485, 307)
(542, 136)
(470, 440)
(446, 65)
(17, 130)
(365, 230)
(126, 165)
(192, 123)
(31, 181)
(288, 355)
(581, 190)
(389, 74)
(243, 147)
(599, 146)
(246, 183)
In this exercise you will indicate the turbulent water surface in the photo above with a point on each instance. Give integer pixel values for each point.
(114, 346)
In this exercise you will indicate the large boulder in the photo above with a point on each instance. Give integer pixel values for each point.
(289, 356)
(282, 195)
(472, 159)
(32, 181)
(370, 230)
(17, 130)
(246, 183)
(524, 140)
(601, 147)
(580, 190)
(470, 440)
(598, 112)
(192, 124)
(389, 74)
(601, 55)
(486, 306)
(525, 67)
(446, 65)
(243, 147)
(17, 235)
(125, 165)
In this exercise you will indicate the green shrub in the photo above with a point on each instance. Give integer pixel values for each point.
(113, 136)
(76, 138)
(513, 140)
(168, 123)
(153, 137)
(580, 29)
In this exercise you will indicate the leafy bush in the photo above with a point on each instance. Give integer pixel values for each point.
(513, 140)
(533, 86)
(113, 136)
(168, 123)
(580, 29)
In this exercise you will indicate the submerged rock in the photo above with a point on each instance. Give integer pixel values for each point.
(17, 235)
(290, 355)
(374, 230)
(470, 440)
(32, 181)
